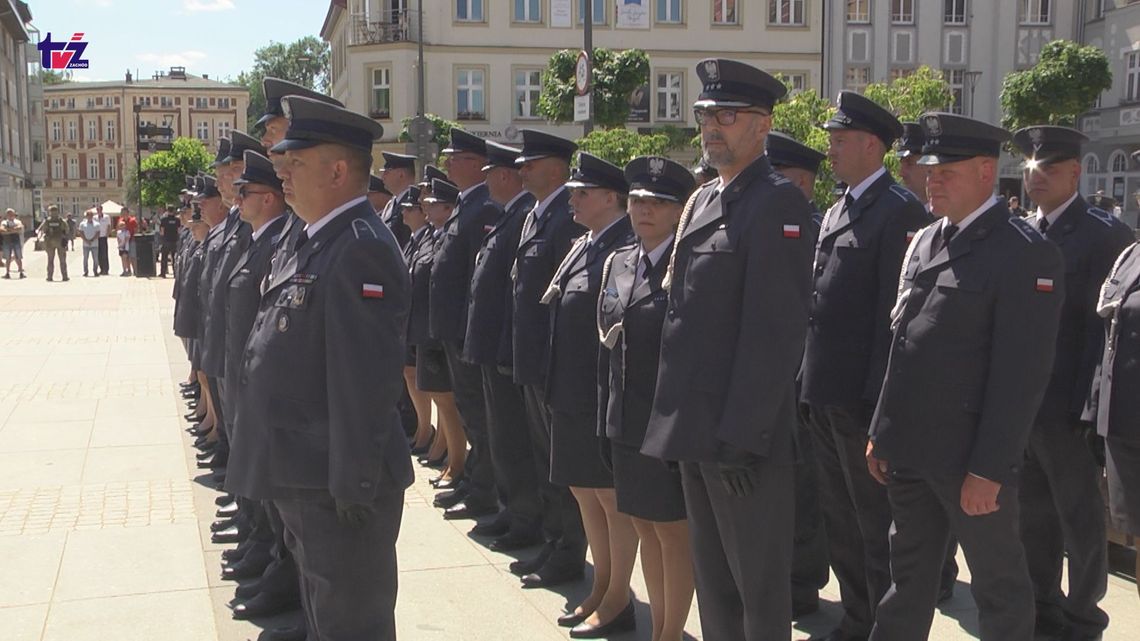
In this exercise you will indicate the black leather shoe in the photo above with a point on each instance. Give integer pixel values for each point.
(192, 416)
(515, 541)
(229, 535)
(450, 484)
(224, 499)
(265, 605)
(624, 622)
(838, 635)
(191, 385)
(1076, 635)
(247, 591)
(449, 498)
(227, 511)
(205, 454)
(250, 567)
(214, 462)
(548, 577)
(233, 555)
(436, 463)
(468, 510)
(223, 524)
(570, 619)
(291, 633)
(529, 566)
(496, 527)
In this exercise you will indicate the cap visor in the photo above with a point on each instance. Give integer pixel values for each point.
(580, 184)
(709, 102)
(525, 159)
(264, 120)
(242, 181)
(942, 159)
(647, 193)
(293, 145)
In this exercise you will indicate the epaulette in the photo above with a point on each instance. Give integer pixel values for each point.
(1025, 229)
(1101, 215)
(361, 224)
(903, 193)
(776, 178)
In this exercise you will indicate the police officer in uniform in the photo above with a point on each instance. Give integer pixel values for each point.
(170, 229)
(379, 197)
(487, 344)
(547, 233)
(318, 432)
(800, 164)
(462, 235)
(974, 329)
(1114, 405)
(1061, 506)
(631, 311)
(55, 233)
(725, 405)
(909, 150)
(398, 175)
(861, 245)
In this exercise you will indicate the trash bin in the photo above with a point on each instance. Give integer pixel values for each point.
(144, 255)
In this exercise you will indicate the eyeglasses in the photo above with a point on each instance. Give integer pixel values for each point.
(723, 117)
(243, 192)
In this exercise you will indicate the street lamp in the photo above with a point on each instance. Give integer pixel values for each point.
(138, 152)
(972, 81)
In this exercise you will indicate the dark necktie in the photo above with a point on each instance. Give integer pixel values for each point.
(1043, 225)
(943, 239)
(302, 238)
(646, 266)
(848, 201)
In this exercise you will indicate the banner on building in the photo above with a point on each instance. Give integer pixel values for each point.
(633, 14)
(560, 13)
(639, 104)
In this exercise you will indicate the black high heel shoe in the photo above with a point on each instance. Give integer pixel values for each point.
(624, 622)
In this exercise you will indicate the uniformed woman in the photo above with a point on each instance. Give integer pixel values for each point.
(598, 199)
(415, 219)
(432, 376)
(1116, 405)
(631, 311)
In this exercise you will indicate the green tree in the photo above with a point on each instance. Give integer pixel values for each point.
(620, 145)
(912, 95)
(164, 172)
(615, 75)
(1064, 84)
(799, 117)
(304, 61)
(54, 77)
(442, 127)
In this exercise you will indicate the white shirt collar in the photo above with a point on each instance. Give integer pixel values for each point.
(655, 254)
(257, 233)
(1056, 213)
(312, 229)
(540, 208)
(463, 194)
(861, 188)
(591, 236)
(511, 202)
(990, 202)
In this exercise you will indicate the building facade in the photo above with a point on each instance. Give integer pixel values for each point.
(90, 130)
(1113, 126)
(484, 58)
(18, 117)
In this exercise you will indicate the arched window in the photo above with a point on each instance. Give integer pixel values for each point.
(1118, 165)
(1119, 162)
(1093, 179)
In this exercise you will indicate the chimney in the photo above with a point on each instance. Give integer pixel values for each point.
(205, 76)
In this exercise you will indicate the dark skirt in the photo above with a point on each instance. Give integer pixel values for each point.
(432, 374)
(1123, 457)
(410, 356)
(646, 488)
(575, 451)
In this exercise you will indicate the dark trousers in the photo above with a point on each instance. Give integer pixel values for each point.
(926, 510)
(280, 576)
(467, 384)
(347, 574)
(104, 265)
(561, 519)
(856, 505)
(54, 250)
(511, 450)
(809, 556)
(166, 255)
(742, 552)
(1062, 511)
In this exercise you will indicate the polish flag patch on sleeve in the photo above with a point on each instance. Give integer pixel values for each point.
(791, 231)
(369, 290)
(910, 235)
(1045, 285)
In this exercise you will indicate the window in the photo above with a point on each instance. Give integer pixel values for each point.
(223, 128)
(897, 73)
(92, 129)
(381, 105)
(903, 50)
(110, 130)
(223, 103)
(72, 168)
(469, 10)
(796, 82)
(858, 10)
(599, 7)
(528, 86)
(92, 169)
(1119, 162)
(203, 131)
(112, 169)
(902, 11)
(72, 130)
(858, 45)
(199, 103)
(669, 95)
(1132, 76)
(955, 52)
(857, 78)
(469, 95)
(954, 12)
(71, 103)
(955, 78)
(56, 131)
(528, 11)
(1033, 11)
(724, 12)
(669, 11)
(1092, 181)
(165, 101)
(54, 103)
(90, 103)
(786, 12)
(57, 168)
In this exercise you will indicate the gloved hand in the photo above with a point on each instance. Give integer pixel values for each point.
(1095, 443)
(353, 515)
(737, 470)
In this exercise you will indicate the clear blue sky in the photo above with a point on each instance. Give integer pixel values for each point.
(215, 37)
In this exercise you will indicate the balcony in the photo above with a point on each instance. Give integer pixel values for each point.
(401, 25)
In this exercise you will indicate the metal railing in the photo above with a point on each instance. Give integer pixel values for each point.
(401, 25)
